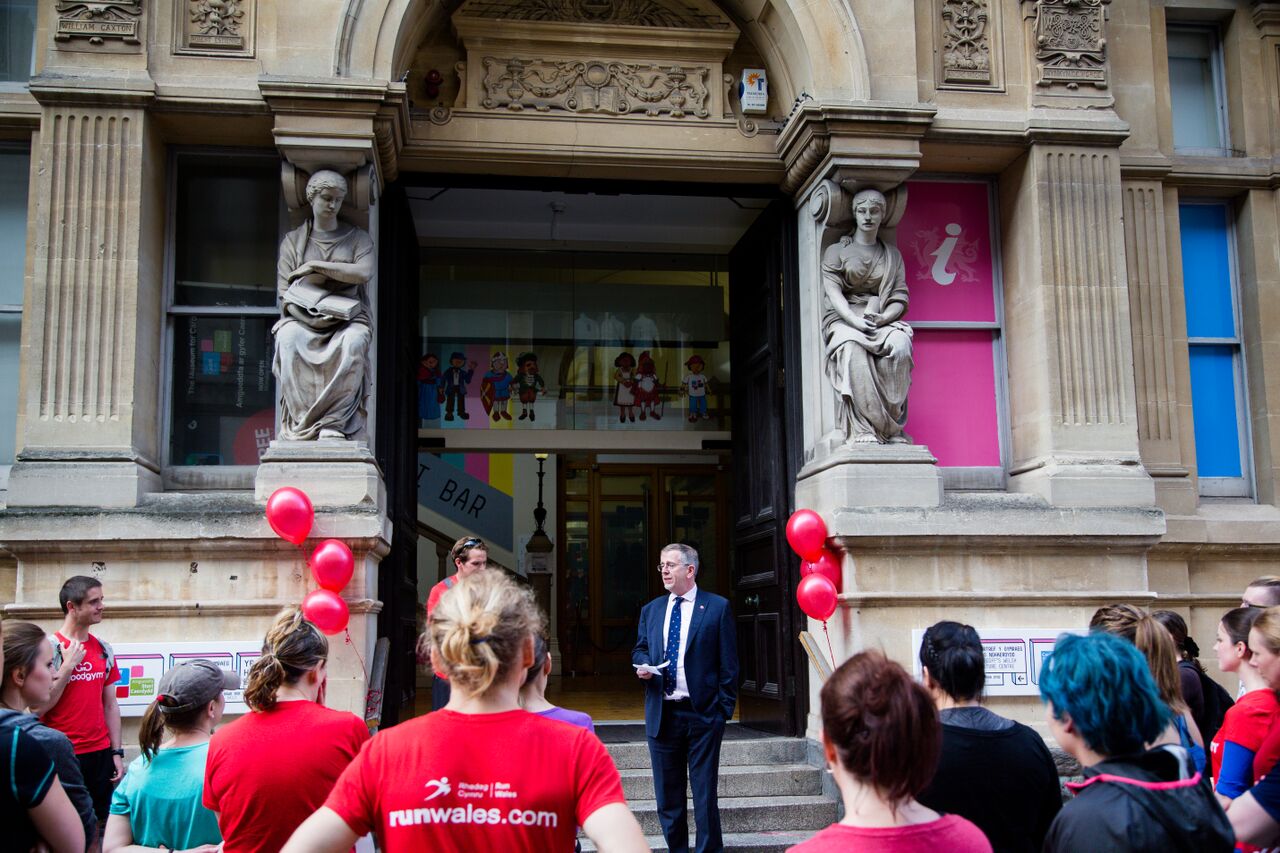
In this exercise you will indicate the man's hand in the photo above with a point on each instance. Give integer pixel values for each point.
(119, 765)
(72, 654)
(643, 675)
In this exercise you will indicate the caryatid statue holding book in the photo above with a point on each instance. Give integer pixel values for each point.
(324, 332)
(867, 346)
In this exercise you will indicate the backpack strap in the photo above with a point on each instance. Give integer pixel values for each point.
(57, 651)
(450, 581)
(109, 654)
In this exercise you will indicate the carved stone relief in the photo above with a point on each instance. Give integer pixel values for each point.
(214, 26)
(595, 86)
(1070, 42)
(966, 42)
(97, 21)
(634, 13)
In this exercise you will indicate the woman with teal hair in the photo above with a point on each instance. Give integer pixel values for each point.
(1103, 708)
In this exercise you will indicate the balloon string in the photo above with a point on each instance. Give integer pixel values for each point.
(363, 669)
(833, 651)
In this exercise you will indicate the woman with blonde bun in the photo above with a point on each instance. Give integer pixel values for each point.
(481, 773)
(274, 766)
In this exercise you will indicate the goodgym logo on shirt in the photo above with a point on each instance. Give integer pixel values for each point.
(84, 671)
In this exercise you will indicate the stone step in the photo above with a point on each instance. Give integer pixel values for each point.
(749, 842)
(805, 814)
(633, 755)
(747, 780)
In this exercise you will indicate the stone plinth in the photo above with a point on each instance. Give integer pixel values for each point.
(333, 473)
(866, 475)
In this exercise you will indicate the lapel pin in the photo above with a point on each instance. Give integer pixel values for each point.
(702, 607)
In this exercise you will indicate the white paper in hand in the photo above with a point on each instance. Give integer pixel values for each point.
(650, 668)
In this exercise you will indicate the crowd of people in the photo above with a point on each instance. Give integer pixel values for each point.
(1168, 760)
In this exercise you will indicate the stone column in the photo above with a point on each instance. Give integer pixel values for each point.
(89, 405)
(1072, 398)
(1158, 328)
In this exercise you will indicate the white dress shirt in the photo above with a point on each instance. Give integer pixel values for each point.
(686, 617)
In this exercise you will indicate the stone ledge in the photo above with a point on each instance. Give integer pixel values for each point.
(970, 598)
(996, 521)
(129, 609)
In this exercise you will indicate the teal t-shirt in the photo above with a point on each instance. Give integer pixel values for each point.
(162, 798)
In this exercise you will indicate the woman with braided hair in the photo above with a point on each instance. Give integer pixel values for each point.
(274, 766)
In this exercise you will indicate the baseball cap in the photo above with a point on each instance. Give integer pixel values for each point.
(194, 683)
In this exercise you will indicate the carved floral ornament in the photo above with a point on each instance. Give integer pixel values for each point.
(595, 86)
(1071, 46)
(98, 20)
(213, 27)
(966, 44)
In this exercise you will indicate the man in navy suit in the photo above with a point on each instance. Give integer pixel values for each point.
(687, 704)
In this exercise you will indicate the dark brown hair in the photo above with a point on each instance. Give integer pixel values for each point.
(22, 644)
(156, 720)
(883, 726)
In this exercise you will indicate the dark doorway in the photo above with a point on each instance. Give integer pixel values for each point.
(396, 447)
(766, 417)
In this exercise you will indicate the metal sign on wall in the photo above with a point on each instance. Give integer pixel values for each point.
(142, 665)
(1013, 657)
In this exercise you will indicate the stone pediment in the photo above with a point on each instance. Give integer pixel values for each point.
(670, 14)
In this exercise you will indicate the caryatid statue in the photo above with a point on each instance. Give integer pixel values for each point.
(325, 328)
(867, 346)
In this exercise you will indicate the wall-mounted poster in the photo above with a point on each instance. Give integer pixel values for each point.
(141, 666)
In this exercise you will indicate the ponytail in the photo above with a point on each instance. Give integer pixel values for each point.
(1153, 640)
(151, 732)
(479, 628)
(292, 648)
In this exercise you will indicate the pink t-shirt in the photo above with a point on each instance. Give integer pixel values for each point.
(949, 832)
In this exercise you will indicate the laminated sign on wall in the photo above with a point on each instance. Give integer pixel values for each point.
(142, 665)
(1013, 657)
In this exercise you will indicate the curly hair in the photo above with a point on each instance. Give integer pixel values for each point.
(325, 179)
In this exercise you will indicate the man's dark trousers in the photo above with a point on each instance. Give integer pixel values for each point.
(686, 740)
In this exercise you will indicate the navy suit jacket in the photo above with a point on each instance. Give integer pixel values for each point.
(710, 658)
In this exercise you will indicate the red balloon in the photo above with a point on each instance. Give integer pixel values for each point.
(817, 596)
(828, 565)
(325, 609)
(807, 534)
(332, 564)
(290, 514)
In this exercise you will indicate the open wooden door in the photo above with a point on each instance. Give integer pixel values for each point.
(396, 446)
(762, 313)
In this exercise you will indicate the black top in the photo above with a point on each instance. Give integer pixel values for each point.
(1003, 780)
(1141, 803)
(26, 774)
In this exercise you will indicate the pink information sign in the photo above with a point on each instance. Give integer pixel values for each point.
(945, 240)
(952, 407)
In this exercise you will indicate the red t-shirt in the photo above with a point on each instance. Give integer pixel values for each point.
(79, 713)
(450, 781)
(433, 599)
(1248, 722)
(1268, 754)
(949, 832)
(269, 771)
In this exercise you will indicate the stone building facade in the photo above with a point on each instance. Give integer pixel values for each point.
(1129, 151)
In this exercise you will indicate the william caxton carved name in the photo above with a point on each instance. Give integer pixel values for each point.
(98, 20)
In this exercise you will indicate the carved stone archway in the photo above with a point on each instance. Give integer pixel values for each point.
(377, 38)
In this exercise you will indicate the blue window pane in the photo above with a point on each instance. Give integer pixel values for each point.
(1206, 271)
(1213, 402)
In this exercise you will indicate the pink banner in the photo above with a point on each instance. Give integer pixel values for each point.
(952, 407)
(945, 240)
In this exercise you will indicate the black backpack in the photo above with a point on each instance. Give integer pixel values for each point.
(1216, 702)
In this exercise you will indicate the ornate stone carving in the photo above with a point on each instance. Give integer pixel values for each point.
(595, 86)
(99, 20)
(1070, 42)
(966, 44)
(634, 13)
(214, 26)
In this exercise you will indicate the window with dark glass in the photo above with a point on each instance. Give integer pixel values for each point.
(15, 164)
(1196, 91)
(17, 40)
(227, 222)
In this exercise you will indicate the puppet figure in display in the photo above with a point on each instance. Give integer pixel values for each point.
(695, 385)
(624, 392)
(495, 388)
(455, 380)
(430, 392)
(648, 388)
(529, 384)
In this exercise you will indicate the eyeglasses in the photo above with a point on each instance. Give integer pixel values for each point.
(672, 566)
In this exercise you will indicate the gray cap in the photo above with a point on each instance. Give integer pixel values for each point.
(194, 683)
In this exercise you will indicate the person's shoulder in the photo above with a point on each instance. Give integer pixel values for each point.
(962, 835)
(54, 741)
